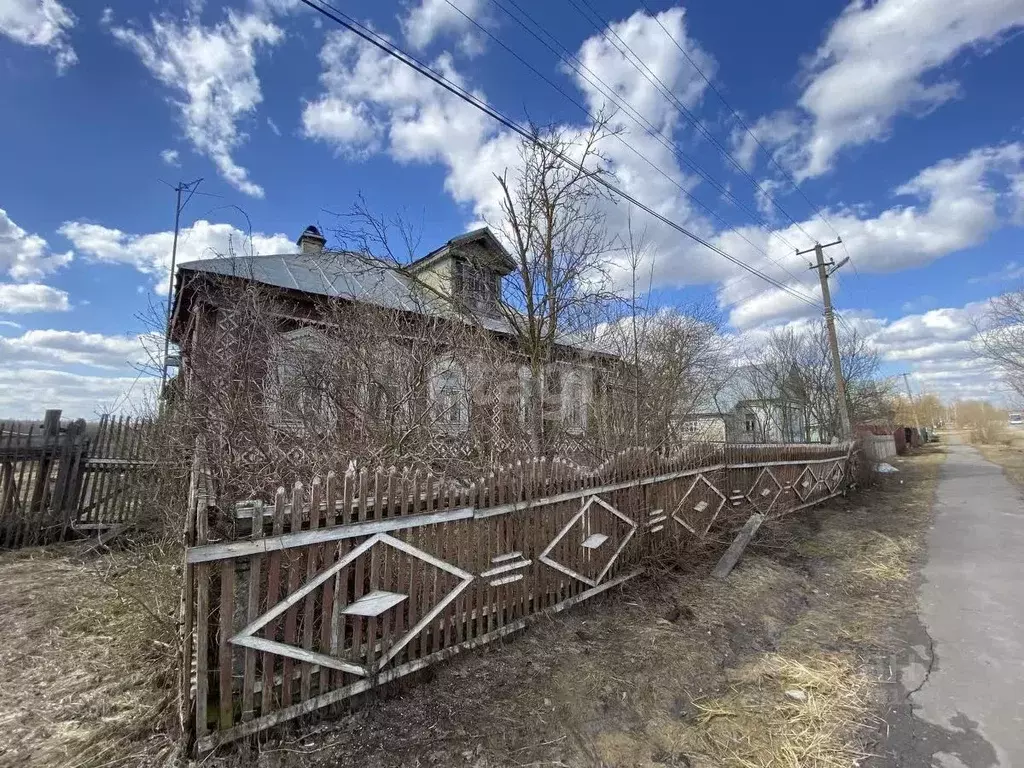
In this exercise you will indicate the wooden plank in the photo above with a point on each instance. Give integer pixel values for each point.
(252, 610)
(202, 648)
(326, 558)
(273, 596)
(294, 561)
(304, 538)
(309, 606)
(225, 610)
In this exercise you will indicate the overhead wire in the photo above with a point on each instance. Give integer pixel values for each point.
(746, 128)
(666, 92)
(634, 114)
(360, 30)
(638, 63)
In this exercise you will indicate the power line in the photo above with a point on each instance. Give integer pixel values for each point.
(786, 175)
(636, 117)
(648, 74)
(410, 61)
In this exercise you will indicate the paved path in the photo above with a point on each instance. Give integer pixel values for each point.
(966, 686)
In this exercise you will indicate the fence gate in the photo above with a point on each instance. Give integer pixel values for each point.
(349, 583)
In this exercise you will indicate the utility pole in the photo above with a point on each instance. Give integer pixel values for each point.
(913, 405)
(825, 269)
(179, 206)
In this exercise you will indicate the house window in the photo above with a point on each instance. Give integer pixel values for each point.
(574, 402)
(450, 396)
(691, 427)
(749, 422)
(478, 286)
(299, 395)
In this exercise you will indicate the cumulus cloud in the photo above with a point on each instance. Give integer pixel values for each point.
(96, 350)
(430, 19)
(42, 24)
(25, 256)
(212, 69)
(956, 204)
(20, 298)
(22, 389)
(170, 156)
(879, 61)
(150, 253)
(371, 103)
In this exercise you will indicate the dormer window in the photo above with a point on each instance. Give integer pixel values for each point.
(477, 286)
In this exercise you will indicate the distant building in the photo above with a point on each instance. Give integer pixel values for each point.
(748, 409)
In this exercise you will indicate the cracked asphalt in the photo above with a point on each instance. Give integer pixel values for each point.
(962, 702)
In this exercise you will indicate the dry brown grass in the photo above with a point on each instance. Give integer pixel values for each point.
(788, 713)
(87, 655)
(1008, 456)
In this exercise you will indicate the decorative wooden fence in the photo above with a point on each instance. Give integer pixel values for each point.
(345, 584)
(54, 478)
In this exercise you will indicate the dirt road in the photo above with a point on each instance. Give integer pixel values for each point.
(963, 685)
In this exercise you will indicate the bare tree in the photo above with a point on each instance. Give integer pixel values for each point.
(1000, 337)
(796, 367)
(553, 222)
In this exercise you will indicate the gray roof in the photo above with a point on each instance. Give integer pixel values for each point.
(346, 275)
(337, 274)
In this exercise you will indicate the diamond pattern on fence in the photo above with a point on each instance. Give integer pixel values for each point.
(595, 550)
(367, 608)
(834, 477)
(699, 507)
(805, 483)
(765, 491)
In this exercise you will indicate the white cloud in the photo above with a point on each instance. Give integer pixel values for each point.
(213, 71)
(20, 298)
(23, 390)
(40, 23)
(880, 60)
(151, 253)
(371, 103)
(273, 127)
(96, 350)
(170, 156)
(959, 203)
(25, 256)
(430, 19)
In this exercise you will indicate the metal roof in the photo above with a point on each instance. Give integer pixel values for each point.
(353, 276)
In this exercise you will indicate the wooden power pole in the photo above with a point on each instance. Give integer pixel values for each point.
(913, 405)
(825, 269)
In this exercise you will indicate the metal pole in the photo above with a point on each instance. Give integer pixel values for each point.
(833, 340)
(170, 289)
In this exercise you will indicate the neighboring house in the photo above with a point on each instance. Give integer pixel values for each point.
(747, 410)
(460, 281)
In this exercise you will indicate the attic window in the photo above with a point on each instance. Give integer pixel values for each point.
(478, 286)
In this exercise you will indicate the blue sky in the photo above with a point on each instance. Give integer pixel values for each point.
(901, 121)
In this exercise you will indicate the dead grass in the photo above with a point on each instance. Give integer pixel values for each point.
(87, 656)
(789, 713)
(1010, 457)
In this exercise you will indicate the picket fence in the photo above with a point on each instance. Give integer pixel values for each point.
(55, 479)
(350, 582)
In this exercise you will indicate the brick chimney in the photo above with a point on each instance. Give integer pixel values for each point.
(311, 241)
